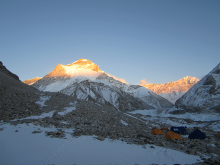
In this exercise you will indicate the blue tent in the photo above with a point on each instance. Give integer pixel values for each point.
(179, 130)
(197, 134)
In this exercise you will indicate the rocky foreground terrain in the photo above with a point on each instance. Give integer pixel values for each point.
(21, 103)
(106, 122)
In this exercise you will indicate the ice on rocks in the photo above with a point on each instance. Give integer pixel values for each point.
(43, 115)
(42, 101)
(67, 110)
(123, 122)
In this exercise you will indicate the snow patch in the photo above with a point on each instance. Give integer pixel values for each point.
(215, 126)
(43, 115)
(68, 109)
(172, 97)
(132, 116)
(42, 101)
(124, 123)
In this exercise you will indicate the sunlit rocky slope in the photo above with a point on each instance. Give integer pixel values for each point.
(31, 81)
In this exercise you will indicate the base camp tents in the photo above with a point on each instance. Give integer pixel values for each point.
(172, 135)
(157, 132)
(197, 134)
(179, 130)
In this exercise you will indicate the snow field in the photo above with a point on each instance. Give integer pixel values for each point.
(50, 114)
(25, 148)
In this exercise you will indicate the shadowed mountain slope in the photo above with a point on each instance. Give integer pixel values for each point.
(84, 80)
(203, 97)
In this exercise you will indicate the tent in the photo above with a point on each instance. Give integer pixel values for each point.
(172, 135)
(157, 132)
(197, 134)
(219, 135)
(163, 128)
(179, 130)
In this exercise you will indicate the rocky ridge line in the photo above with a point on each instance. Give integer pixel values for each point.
(6, 71)
(31, 81)
(182, 85)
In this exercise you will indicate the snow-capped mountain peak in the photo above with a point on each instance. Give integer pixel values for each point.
(189, 79)
(81, 63)
(82, 67)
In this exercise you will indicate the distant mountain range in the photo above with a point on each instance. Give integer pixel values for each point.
(172, 91)
(84, 80)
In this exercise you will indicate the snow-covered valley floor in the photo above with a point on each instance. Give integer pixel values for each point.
(19, 146)
(163, 119)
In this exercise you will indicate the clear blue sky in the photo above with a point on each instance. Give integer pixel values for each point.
(156, 40)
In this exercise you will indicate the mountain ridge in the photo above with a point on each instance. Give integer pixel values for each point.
(7, 72)
(172, 91)
(87, 81)
(31, 81)
(168, 87)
